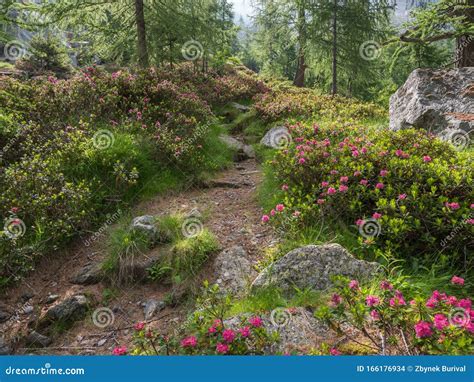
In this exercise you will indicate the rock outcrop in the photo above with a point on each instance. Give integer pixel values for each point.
(242, 151)
(277, 138)
(313, 267)
(233, 270)
(435, 100)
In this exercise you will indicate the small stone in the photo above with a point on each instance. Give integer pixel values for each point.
(146, 224)
(37, 340)
(102, 342)
(152, 307)
(51, 298)
(89, 275)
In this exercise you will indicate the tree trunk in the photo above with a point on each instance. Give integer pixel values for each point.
(334, 49)
(141, 33)
(301, 68)
(465, 44)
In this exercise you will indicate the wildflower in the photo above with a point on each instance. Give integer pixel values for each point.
(470, 221)
(334, 351)
(296, 214)
(354, 284)
(431, 303)
(453, 206)
(398, 300)
(344, 179)
(272, 212)
(245, 331)
(222, 348)
(372, 300)
(122, 350)
(360, 222)
(355, 153)
(357, 173)
(189, 342)
(383, 173)
(385, 285)
(380, 186)
(427, 159)
(377, 216)
(423, 329)
(440, 321)
(217, 323)
(336, 299)
(402, 196)
(280, 207)
(343, 188)
(284, 187)
(256, 321)
(212, 330)
(302, 161)
(465, 303)
(324, 184)
(331, 191)
(228, 335)
(364, 182)
(139, 326)
(374, 315)
(265, 219)
(457, 280)
(15, 210)
(334, 172)
(321, 201)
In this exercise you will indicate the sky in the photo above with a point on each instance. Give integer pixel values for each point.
(242, 8)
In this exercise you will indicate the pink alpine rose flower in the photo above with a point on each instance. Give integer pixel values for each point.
(228, 335)
(189, 342)
(280, 207)
(331, 191)
(423, 329)
(265, 219)
(440, 321)
(427, 159)
(377, 216)
(122, 350)
(457, 280)
(256, 321)
(354, 284)
(372, 300)
(222, 348)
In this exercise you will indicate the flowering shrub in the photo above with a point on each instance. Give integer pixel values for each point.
(207, 333)
(405, 193)
(301, 103)
(390, 320)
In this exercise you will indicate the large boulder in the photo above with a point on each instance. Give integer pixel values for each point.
(435, 100)
(234, 272)
(278, 137)
(298, 330)
(313, 267)
(242, 151)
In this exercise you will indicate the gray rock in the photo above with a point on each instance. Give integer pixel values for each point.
(102, 342)
(51, 298)
(36, 339)
(89, 275)
(147, 225)
(28, 309)
(277, 138)
(312, 267)
(243, 151)
(234, 272)
(298, 330)
(153, 307)
(72, 309)
(434, 100)
(4, 347)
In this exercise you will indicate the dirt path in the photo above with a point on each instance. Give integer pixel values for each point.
(233, 214)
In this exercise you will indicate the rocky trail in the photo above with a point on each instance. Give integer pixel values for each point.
(66, 285)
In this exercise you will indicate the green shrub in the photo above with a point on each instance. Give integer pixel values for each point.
(413, 190)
